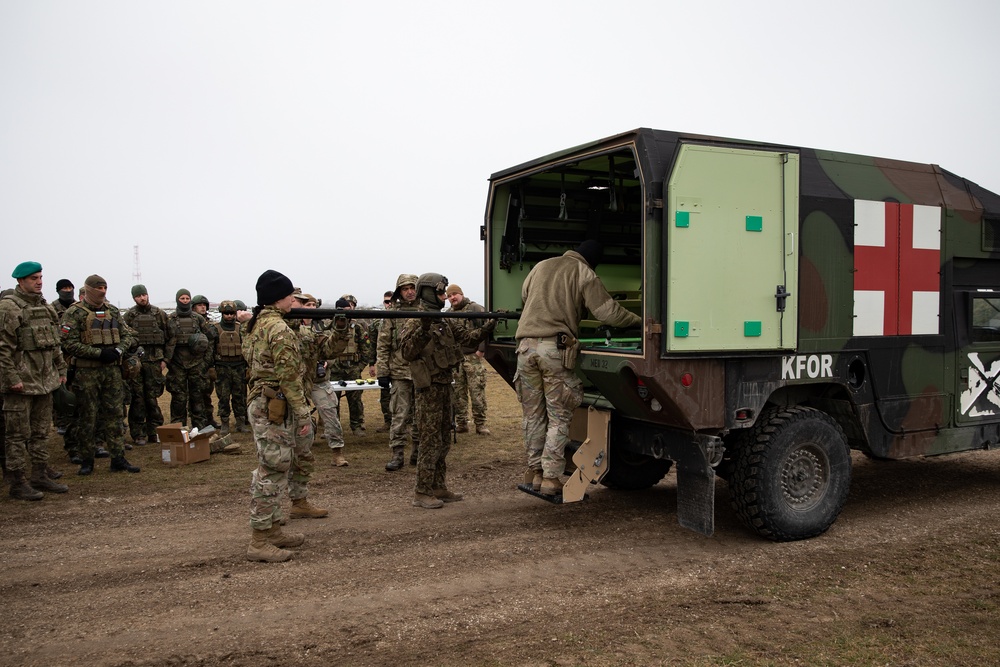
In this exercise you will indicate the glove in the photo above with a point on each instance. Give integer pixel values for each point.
(212, 374)
(384, 382)
(109, 355)
(490, 326)
(425, 324)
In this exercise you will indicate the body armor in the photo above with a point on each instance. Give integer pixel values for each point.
(148, 329)
(39, 329)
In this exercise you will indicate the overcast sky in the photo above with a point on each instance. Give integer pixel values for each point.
(343, 143)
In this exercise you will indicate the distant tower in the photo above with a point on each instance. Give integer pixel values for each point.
(136, 273)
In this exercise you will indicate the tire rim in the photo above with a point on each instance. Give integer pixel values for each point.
(805, 477)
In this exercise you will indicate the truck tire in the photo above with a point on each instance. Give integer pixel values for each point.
(791, 477)
(628, 471)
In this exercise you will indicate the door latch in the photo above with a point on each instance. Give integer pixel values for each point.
(780, 295)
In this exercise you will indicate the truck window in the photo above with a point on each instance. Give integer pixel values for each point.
(985, 319)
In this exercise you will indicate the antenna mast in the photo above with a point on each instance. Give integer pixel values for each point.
(136, 273)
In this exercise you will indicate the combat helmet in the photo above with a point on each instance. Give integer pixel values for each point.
(240, 305)
(403, 279)
(199, 298)
(227, 307)
(429, 286)
(350, 298)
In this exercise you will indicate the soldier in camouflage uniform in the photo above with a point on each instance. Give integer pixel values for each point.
(150, 325)
(393, 372)
(66, 295)
(470, 376)
(384, 394)
(351, 364)
(31, 368)
(230, 369)
(187, 343)
(200, 305)
(94, 334)
(433, 350)
(555, 294)
(318, 343)
(279, 415)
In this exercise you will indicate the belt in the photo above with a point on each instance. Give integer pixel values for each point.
(88, 363)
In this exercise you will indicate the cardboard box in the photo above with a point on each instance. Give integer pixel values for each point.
(177, 448)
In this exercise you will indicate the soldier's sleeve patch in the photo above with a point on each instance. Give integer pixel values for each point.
(65, 328)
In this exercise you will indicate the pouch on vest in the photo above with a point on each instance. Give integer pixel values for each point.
(420, 375)
(570, 349)
(277, 406)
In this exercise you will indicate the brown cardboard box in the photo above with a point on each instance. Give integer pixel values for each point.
(177, 448)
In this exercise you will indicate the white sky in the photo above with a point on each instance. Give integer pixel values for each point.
(343, 143)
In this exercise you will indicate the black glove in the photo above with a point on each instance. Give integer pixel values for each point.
(425, 323)
(109, 355)
(384, 382)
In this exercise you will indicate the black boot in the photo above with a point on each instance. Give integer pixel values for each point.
(86, 466)
(121, 464)
(396, 462)
(101, 453)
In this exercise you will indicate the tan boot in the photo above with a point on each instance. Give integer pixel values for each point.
(447, 496)
(481, 429)
(551, 486)
(461, 428)
(20, 489)
(338, 457)
(534, 478)
(284, 540)
(303, 509)
(41, 482)
(384, 428)
(262, 550)
(427, 502)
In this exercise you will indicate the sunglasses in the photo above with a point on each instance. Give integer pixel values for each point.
(387, 301)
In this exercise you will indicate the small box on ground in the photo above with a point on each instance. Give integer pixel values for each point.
(178, 448)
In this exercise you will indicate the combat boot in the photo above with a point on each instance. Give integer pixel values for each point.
(101, 453)
(303, 509)
(262, 550)
(413, 456)
(52, 473)
(551, 486)
(86, 466)
(534, 478)
(20, 489)
(461, 428)
(396, 462)
(225, 428)
(358, 431)
(121, 464)
(338, 457)
(284, 540)
(384, 428)
(140, 441)
(41, 482)
(481, 429)
(447, 496)
(427, 502)
(241, 426)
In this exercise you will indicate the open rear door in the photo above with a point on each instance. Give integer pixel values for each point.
(731, 250)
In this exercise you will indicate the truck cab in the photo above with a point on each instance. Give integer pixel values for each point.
(796, 304)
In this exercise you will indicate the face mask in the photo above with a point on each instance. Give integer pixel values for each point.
(184, 308)
(67, 296)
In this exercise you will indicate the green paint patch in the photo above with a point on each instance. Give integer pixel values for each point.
(681, 328)
(755, 223)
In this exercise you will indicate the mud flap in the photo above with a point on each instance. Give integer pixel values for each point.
(696, 484)
(591, 458)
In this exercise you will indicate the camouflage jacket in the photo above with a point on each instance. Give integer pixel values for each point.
(272, 352)
(358, 348)
(29, 344)
(468, 305)
(150, 326)
(317, 346)
(437, 350)
(389, 358)
(78, 338)
(179, 350)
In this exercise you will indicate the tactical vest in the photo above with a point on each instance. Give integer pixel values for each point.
(230, 345)
(437, 359)
(185, 327)
(350, 353)
(100, 328)
(148, 328)
(38, 330)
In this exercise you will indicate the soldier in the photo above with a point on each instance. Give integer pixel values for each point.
(230, 369)
(31, 368)
(209, 374)
(150, 325)
(66, 293)
(62, 418)
(94, 335)
(383, 392)
(278, 413)
(317, 344)
(470, 376)
(350, 365)
(187, 344)
(555, 294)
(393, 372)
(433, 350)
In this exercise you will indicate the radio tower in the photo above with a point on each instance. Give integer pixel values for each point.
(136, 273)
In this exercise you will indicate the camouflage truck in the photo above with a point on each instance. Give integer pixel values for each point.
(796, 303)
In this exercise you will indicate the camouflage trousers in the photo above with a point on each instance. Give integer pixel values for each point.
(384, 399)
(231, 388)
(284, 461)
(470, 383)
(207, 389)
(27, 421)
(434, 425)
(144, 413)
(402, 405)
(328, 406)
(98, 394)
(354, 403)
(548, 393)
(187, 385)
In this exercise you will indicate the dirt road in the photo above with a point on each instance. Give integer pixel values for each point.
(150, 569)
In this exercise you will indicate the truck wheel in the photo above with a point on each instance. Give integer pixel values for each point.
(792, 475)
(628, 471)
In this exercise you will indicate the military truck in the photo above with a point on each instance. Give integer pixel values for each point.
(796, 304)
